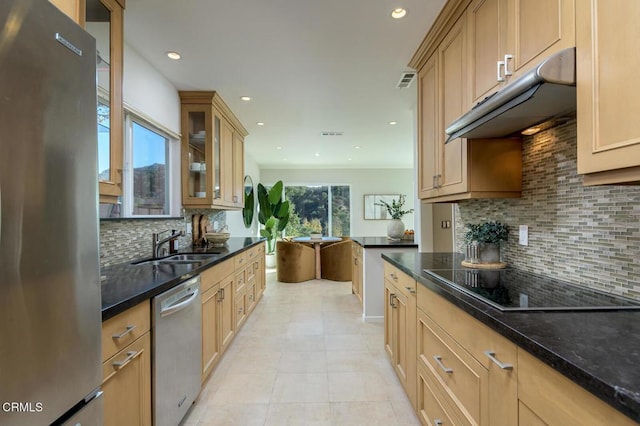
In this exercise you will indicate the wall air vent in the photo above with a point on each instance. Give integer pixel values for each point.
(331, 133)
(406, 79)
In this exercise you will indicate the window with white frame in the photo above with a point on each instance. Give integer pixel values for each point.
(151, 172)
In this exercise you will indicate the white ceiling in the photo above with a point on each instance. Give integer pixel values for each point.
(309, 66)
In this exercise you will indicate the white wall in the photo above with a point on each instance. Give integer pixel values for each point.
(234, 218)
(362, 181)
(149, 93)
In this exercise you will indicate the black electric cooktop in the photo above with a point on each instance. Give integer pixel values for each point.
(517, 290)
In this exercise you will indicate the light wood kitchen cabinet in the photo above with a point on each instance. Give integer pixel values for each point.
(104, 20)
(227, 313)
(487, 44)
(461, 168)
(607, 86)
(240, 294)
(74, 9)
(482, 386)
(357, 270)
(536, 30)
(126, 368)
(506, 38)
(212, 152)
(210, 329)
(400, 327)
(442, 99)
(230, 291)
(546, 397)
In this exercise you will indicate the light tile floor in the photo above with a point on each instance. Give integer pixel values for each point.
(304, 357)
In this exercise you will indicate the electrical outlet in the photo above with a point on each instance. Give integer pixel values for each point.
(524, 235)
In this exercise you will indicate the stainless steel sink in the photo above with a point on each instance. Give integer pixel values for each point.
(188, 257)
(194, 259)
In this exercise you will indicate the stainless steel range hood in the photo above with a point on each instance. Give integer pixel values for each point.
(547, 91)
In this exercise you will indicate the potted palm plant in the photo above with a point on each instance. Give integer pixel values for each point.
(483, 241)
(274, 216)
(395, 228)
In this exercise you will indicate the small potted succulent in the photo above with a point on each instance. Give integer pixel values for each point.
(483, 241)
(395, 228)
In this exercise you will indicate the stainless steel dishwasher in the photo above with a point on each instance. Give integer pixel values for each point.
(177, 351)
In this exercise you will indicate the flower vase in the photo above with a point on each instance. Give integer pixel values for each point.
(395, 230)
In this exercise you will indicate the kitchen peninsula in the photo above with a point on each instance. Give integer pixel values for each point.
(372, 281)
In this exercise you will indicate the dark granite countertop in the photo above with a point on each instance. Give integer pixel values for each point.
(125, 285)
(382, 242)
(598, 350)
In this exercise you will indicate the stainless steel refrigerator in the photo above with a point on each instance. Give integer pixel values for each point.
(50, 316)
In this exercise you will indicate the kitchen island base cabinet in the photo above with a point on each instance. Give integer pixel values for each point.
(547, 397)
(126, 370)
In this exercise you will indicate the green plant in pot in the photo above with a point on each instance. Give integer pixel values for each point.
(273, 214)
(483, 241)
(395, 228)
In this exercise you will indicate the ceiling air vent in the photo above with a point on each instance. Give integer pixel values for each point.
(331, 133)
(406, 79)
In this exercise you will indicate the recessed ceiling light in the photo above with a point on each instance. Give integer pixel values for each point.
(260, 123)
(317, 154)
(245, 98)
(398, 13)
(393, 123)
(173, 55)
(357, 147)
(349, 158)
(278, 147)
(284, 159)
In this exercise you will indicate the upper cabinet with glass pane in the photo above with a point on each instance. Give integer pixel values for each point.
(74, 9)
(212, 152)
(104, 21)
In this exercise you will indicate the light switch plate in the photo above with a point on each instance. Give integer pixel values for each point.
(524, 235)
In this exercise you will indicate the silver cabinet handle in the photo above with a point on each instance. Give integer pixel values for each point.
(412, 291)
(437, 422)
(127, 330)
(492, 356)
(434, 181)
(507, 58)
(393, 276)
(391, 296)
(500, 77)
(439, 185)
(441, 365)
(119, 364)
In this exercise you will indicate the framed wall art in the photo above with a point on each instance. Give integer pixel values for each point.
(372, 211)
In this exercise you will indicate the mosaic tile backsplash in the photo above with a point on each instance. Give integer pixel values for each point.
(589, 236)
(128, 239)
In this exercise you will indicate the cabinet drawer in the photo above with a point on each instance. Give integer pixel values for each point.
(240, 260)
(403, 282)
(472, 335)
(240, 282)
(125, 328)
(215, 274)
(126, 383)
(432, 409)
(462, 379)
(556, 400)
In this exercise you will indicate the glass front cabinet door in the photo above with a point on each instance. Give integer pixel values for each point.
(104, 21)
(210, 155)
